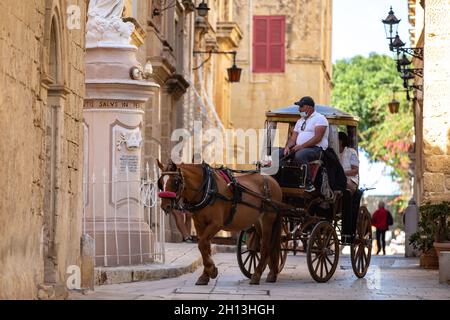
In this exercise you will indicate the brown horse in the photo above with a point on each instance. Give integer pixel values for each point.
(219, 201)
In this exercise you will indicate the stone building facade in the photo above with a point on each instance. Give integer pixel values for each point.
(431, 30)
(285, 54)
(167, 39)
(191, 87)
(41, 101)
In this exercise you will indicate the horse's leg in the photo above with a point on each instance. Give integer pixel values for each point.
(204, 245)
(273, 263)
(266, 227)
(204, 277)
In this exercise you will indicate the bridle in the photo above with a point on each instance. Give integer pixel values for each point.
(178, 184)
(208, 187)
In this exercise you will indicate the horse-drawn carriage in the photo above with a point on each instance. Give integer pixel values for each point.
(275, 212)
(312, 223)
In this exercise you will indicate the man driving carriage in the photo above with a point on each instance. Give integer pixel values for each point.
(309, 138)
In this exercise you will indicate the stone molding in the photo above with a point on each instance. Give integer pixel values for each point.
(162, 69)
(138, 36)
(229, 33)
(118, 90)
(108, 104)
(177, 85)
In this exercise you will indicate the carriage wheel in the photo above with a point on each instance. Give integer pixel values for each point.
(323, 252)
(361, 248)
(248, 251)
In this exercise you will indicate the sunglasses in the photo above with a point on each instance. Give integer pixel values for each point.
(303, 126)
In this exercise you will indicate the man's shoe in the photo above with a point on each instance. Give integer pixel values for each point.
(188, 240)
(347, 239)
(310, 187)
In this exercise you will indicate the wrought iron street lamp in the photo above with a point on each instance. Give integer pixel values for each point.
(202, 9)
(397, 45)
(394, 104)
(234, 73)
(157, 11)
(390, 26)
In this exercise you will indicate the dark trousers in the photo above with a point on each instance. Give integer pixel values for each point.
(381, 238)
(348, 222)
(303, 157)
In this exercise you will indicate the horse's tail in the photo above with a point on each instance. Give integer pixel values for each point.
(275, 242)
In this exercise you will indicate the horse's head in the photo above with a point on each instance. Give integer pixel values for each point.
(170, 185)
(179, 185)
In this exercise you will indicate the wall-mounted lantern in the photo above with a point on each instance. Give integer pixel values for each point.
(234, 73)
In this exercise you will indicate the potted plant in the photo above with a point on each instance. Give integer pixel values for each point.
(433, 234)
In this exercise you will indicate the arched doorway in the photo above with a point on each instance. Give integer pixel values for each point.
(52, 116)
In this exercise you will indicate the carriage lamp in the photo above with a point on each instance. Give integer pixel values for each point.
(234, 73)
(202, 9)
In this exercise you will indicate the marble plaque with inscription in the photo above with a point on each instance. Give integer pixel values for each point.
(126, 157)
(112, 104)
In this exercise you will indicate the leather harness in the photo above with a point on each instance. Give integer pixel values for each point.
(211, 193)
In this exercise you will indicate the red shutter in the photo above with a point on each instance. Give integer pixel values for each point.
(260, 44)
(276, 45)
(268, 43)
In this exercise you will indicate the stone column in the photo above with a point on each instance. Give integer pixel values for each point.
(411, 222)
(113, 124)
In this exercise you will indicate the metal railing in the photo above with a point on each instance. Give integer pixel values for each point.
(124, 218)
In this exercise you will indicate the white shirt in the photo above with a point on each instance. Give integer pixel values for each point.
(349, 158)
(315, 120)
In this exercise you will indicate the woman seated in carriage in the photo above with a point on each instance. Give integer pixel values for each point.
(349, 161)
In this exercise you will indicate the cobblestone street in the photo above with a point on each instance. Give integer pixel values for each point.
(389, 277)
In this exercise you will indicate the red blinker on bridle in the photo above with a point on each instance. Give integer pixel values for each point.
(167, 195)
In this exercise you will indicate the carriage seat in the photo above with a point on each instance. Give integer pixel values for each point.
(292, 176)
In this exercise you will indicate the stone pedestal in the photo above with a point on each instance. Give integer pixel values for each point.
(113, 125)
(411, 222)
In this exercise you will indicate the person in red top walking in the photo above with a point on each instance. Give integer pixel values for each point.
(379, 221)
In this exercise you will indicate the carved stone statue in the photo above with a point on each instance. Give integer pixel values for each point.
(105, 25)
(106, 8)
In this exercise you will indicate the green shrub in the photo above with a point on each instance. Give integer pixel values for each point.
(434, 226)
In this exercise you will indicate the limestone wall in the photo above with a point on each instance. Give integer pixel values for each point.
(436, 102)
(32, 163)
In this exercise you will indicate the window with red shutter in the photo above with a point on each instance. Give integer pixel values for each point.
(268, 43)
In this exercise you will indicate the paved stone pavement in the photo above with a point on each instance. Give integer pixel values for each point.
(180, 258)
(389, 277)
